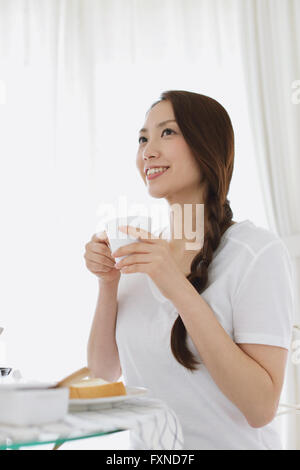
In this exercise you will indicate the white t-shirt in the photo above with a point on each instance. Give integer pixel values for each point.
(250, 290)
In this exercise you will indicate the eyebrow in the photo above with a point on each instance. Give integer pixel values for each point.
(158, 125)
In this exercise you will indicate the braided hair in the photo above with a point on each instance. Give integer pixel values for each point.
(207, 129)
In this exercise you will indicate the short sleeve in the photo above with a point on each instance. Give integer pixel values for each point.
(263, 307)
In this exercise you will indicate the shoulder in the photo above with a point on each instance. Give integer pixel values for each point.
(249, 250)
(251, 239)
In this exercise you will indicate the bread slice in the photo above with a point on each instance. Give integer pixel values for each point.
(96, 388)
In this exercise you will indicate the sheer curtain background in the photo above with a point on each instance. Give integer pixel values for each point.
(270, 40)
(76, 79)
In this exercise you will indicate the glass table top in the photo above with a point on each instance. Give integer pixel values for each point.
(57, 441)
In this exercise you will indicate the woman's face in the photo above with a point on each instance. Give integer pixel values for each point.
(164, 145)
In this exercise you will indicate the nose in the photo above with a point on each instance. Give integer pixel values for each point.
(147, 155)
(145, 158)
(150, 151)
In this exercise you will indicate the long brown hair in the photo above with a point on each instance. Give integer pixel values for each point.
(207, 129)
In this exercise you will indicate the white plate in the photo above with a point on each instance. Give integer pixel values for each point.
(77, 404)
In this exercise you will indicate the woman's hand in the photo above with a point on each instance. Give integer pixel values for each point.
(98, 258)
(151, 255)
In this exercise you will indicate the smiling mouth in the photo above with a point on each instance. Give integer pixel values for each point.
(156, 174)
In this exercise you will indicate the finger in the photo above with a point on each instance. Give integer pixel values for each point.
(135, 268)
(138, 233)
(134, 259)
(132, 248)
(100, 248)
(98, 269)
(100, 259)
(101, 237)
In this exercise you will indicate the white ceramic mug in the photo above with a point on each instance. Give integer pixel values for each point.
(117, 238)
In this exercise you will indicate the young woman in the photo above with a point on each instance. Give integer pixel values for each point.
(205, 330)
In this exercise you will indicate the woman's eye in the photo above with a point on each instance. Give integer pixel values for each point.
(161, 134)
(167, 130)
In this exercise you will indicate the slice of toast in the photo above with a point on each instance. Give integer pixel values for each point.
(96, 388)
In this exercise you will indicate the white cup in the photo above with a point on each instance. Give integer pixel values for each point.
(117, 238)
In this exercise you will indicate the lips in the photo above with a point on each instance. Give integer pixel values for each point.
(158, 166)
(156, 175)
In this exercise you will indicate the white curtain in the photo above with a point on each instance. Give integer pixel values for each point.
(79, 76)
(75, 77)
(269, 37)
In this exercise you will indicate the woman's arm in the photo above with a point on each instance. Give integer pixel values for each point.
(249, 375)
(102, 351)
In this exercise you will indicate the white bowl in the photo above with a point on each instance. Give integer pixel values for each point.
(23, 407)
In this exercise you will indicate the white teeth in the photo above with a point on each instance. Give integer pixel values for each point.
(156, 170)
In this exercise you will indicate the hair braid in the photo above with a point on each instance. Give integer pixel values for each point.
(199, 273)
(207, 129)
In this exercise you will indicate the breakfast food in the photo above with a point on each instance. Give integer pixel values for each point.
(96, 388)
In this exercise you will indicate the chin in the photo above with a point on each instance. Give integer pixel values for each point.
(156, 193)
